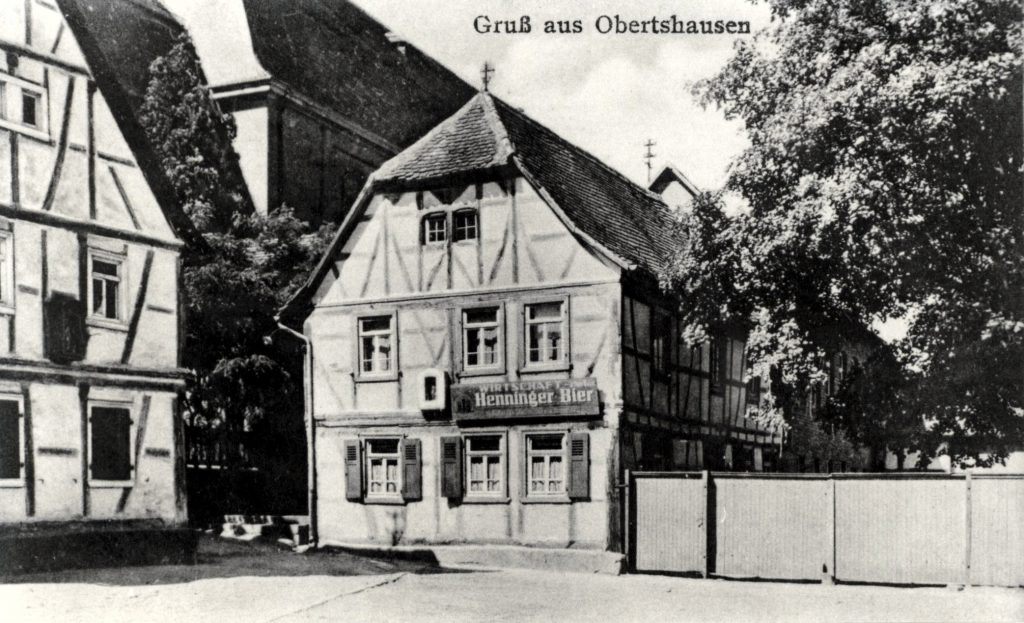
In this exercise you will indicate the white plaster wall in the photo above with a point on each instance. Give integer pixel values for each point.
(435, 519)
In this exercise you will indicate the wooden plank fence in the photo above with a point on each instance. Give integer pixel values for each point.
(906, 528)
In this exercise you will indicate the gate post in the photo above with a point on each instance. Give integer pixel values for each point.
(828, 566)
(967, 530)
(705, 519)
(629, 530)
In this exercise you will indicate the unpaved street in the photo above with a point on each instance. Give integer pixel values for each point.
(237, 582)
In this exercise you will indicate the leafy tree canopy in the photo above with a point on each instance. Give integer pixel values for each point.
(884, 180)
(253, 263)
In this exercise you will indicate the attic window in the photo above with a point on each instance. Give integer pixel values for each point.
(466, 226)
(435, 228)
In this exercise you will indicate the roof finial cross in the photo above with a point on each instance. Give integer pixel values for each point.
(649, 157)
(486, 73)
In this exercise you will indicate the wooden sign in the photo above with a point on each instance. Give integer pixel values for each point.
(525, 399)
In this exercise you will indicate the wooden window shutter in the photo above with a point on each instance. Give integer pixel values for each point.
(353, 471)
(65, 338)
(451, 467)
(412, 482)
(579, 466)
(10, 439)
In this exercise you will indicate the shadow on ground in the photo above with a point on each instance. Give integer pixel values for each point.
(223, 558)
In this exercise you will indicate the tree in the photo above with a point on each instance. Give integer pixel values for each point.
(252, 265)
(884, 180)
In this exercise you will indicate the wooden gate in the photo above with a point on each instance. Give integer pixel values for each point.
(902, 528)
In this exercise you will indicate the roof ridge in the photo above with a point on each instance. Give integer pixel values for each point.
(497, 126)
(607, 169)
(583, 152)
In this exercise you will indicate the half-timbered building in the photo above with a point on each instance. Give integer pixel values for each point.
(489, 350)
(90, 237)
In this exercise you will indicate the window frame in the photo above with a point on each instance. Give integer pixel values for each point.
(369, 377)
(384, 497)
(13, 89)
(121, 261)
(556, 497)
(499, 367)
(564, 362)
(500, 496)
(129, 406)
(20, 480)
(434, 216)
(462, 211)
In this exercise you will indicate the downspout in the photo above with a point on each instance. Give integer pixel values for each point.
(307, 383)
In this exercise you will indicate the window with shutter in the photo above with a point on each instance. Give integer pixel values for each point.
(545, 465)
(11, 452)
(110, 442)
(451, 467)
(383, 474)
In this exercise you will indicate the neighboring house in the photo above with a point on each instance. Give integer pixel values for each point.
(90, 237)
(322, 94)
(490, 350)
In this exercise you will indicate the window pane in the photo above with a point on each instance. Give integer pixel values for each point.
(104, 268)
(484, 444)
(484, 315)
(382, 323)
(383, 353)
(546, 442)
(392, 476)
(97, 296)
(544, 311)
(490, 346)
(555, 468)
(537, 467)
(536, 335)
(111, 300)
(383, 446)
(552, 347)
(367, 354)
(29, 112)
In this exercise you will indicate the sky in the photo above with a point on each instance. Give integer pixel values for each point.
(608, 93)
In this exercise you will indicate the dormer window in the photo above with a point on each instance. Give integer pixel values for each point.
(466, 225)
(435, 228)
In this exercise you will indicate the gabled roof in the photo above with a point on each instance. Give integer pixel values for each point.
(672, 174)
(623, 217)
(629, 224)
(340, 57)
(130, 34)
(119, 39)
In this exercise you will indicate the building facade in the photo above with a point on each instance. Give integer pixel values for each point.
(90, 438)
(490, 351)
